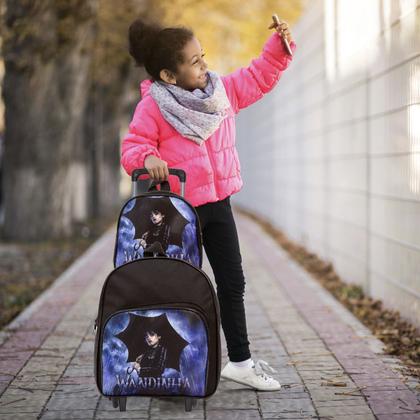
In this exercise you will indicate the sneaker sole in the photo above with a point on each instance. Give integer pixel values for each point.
(250, 386)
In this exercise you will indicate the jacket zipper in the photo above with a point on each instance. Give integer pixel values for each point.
(212, 167)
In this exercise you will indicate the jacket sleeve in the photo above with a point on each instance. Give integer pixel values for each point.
(141, 139)
(247, 85)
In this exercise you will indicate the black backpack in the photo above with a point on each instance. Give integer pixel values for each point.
(158, 325)
(179, 234)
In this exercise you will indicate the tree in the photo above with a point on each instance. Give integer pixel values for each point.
(66, 90)
(46, 53)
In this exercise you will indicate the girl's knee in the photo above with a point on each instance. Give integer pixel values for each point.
(234, 290)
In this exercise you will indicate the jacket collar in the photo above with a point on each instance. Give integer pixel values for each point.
(145, 87)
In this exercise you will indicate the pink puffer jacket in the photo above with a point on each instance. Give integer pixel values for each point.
(212, 170)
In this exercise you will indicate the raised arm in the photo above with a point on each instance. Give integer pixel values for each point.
(141, 139)
(247, 85)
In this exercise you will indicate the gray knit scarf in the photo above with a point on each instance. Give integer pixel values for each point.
(197, 114)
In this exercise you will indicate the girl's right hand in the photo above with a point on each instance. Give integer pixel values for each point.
(282, 29)
(157, 168)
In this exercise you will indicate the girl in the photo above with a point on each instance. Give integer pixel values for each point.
(152, 361)
(158, 235)
(186, 119)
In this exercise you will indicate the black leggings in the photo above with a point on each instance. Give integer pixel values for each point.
(221, 243)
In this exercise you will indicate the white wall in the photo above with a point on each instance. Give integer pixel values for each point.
(332, 155)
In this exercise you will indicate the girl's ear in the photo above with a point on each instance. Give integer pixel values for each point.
(168, 76)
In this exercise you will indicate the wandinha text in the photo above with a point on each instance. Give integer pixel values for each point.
(150, 382)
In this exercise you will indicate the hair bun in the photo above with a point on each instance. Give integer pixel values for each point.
(141, 37)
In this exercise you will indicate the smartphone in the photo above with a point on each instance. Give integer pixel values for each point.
(276, 20)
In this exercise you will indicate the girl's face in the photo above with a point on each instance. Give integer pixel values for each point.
(192, 74)
(156, 217)
(152, 338)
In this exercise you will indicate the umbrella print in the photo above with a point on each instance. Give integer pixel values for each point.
(140, 216)
(133, 338)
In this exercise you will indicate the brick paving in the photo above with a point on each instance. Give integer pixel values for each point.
(46, 354)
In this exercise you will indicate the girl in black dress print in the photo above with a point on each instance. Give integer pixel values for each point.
(157, 238)
(153, 361)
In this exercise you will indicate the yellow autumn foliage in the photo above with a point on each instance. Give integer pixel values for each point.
(232, 32)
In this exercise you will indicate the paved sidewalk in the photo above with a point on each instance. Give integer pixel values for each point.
(46, 359)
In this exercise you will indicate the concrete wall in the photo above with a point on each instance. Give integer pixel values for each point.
(332, 155)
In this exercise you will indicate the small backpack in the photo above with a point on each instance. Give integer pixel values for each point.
(157, 216)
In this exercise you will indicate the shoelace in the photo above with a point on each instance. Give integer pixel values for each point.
(261, 366)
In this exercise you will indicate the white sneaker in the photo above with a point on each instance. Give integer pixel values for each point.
(254, 376)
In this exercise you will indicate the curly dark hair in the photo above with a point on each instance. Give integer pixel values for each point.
(157, 48)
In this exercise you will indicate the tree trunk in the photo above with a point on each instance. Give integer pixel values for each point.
(105, 112)
(45, 92)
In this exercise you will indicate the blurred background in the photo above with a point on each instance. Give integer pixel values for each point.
(331, 156)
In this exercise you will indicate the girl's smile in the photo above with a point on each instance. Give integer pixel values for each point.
(192, 73)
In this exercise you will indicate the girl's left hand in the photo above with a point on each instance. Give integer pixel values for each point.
(282, 29)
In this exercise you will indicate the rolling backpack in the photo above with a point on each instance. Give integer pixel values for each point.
(157, 332)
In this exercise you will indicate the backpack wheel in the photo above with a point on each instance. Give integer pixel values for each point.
(123, 403)
(189, 402)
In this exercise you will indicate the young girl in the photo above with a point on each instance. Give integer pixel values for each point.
(186, 120)
(152, 361)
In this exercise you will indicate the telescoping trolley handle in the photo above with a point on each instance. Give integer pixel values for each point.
(145, 185)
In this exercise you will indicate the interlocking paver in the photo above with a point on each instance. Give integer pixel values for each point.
(282, 280)
(46, 367)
